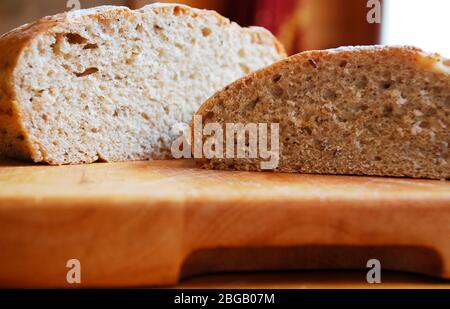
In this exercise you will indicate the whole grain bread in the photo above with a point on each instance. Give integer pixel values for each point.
(358, 110)
(110, 83)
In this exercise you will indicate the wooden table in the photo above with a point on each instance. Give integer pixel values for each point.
(154, 223)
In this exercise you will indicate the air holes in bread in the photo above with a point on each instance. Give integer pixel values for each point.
(362, 82)
(206, 31)
(245, 68)
(86, 72)
(386, 85)
(252, 104)
(74, 38)
(91, 46)
(277, 91)
(313, 63)
(329, 95)
(139, 28)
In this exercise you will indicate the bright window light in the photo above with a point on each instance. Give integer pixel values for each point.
(422, 23)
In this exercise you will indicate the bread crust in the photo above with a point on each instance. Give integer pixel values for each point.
(14, 139)
(407, 54)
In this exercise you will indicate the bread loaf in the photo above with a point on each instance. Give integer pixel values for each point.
(110, 83)
(362, 111)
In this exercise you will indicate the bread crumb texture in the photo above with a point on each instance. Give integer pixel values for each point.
(110, 83)
(362, 111)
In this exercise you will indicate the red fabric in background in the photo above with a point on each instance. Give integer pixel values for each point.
(272, 13)
(243, 11)
(269, 14)
(309, 24)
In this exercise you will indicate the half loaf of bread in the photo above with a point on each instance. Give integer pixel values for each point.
(361, 111)
(111, 83)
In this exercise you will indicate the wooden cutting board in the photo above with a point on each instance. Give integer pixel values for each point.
(152, 223)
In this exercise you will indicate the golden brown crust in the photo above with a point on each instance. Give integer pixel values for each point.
(13, 137)
(14, 140)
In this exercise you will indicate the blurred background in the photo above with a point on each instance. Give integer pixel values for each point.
(299, 24)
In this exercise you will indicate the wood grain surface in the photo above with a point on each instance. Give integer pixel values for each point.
(153, 223)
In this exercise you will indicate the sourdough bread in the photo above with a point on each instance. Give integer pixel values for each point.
(363, 111)
(110, 83)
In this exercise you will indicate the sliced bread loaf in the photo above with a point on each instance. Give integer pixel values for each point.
(110, 83)
(364, 110)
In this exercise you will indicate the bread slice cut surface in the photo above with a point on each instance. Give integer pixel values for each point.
(111, 83)
(372, 110)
